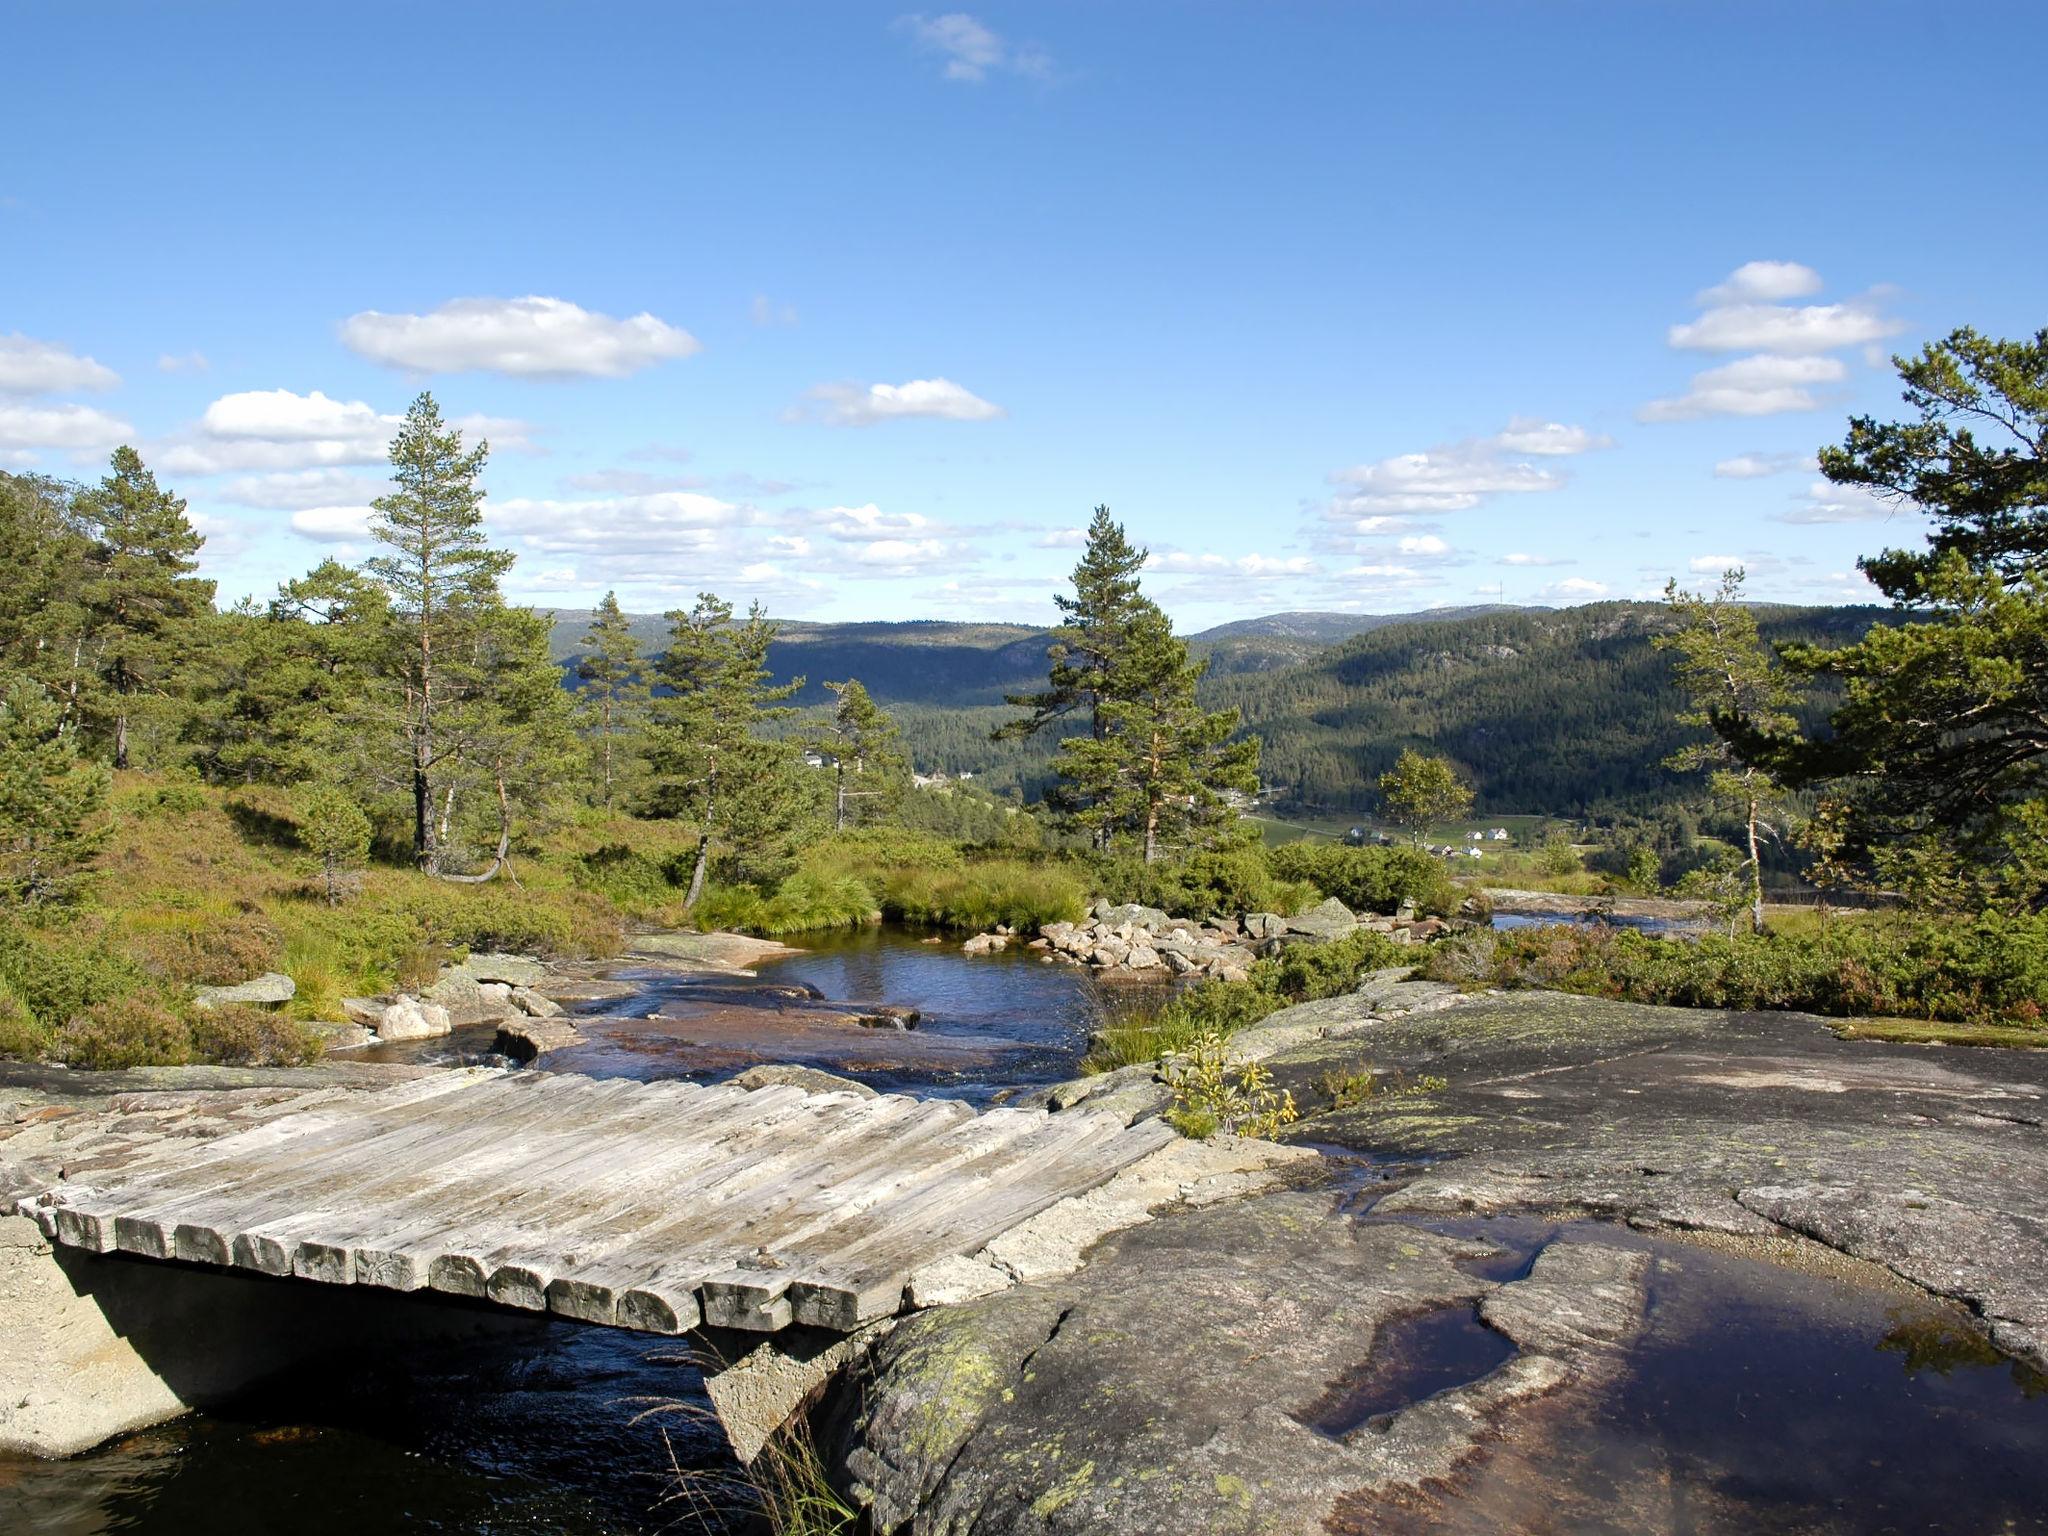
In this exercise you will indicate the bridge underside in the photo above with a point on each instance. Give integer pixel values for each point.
(660, 1207)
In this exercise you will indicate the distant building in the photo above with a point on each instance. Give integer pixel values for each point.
(1499, 834)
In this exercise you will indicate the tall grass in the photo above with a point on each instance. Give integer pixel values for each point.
(988, 894)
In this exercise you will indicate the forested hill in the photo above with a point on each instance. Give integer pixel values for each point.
(1567, 712)
(946, 664)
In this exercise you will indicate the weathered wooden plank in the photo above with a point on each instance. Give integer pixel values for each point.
(743, 1173)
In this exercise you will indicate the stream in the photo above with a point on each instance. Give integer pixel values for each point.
(1760, 1398)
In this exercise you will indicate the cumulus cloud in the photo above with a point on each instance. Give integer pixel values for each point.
(1712, 565)
(1574, 589)
(32, 367)
(1061, 538)
(333, 525)
(1458, 476)
(864, 405)
(1263, 567)
(278, 430)
(300, 490)
(1762, 281)
(531, 337)
(74, 428)
(969, 51)
(1424, 546)
(1787, 343)
(1826, 502)
(1762, 385)
(1756, 466)
(1527, 434)
(1784, 329)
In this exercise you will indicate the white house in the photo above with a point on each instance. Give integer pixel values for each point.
(1499, 834)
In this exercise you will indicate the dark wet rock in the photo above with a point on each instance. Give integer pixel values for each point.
(887, 1016)
(1173, 1385)
(529, 1039)
(810, 1079)
(1928, 1160)
(269, 988)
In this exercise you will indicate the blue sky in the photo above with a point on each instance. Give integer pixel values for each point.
(858, 311)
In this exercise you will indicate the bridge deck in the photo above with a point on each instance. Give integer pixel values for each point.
(651, 1206)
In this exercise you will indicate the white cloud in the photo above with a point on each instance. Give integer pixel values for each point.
(869, 522)
(1458, 476)
(182, 362)
(1756, 466)
(1261, 567)
(332, 525)
(531, 337)
(32, 367)
(1826, 502)
(1533, 560)
(863, 405)
(1061, 538)
(279, 430)
(1807, 329)
(1426, 546)
(300, 490)
(1712, 565)
(1765, 281)
(1526, 434)
(970, 51)
(1574, 587)
(77, 428)
(1750, 386)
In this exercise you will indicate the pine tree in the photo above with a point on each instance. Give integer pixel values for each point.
(710, 765)
(1091, 635)
(1736, 693)
(439, 573)
(615, 689)
(861, 742)
(50, 800)
(141, 601)
(1158, 768)
(45, 555)
(334, 830)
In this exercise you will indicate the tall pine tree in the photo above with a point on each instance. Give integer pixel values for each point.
(440, 573)
(711, 766)
(860, 746)
(142, 604)
(1157, 769)
(615, 690)
(1091, 636)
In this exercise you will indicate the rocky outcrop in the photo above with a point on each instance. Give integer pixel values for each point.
(1143, 939)
(1182, 1382)
(529, 1039)
(810, 1079)
(270, 988)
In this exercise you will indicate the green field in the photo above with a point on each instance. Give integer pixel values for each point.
(1524, 832)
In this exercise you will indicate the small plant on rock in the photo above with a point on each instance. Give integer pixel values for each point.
(1211, 1094)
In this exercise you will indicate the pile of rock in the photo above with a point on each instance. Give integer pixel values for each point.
(484, 989)
(1139, 938)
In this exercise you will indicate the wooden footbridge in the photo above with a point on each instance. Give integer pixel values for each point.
(651, 1206)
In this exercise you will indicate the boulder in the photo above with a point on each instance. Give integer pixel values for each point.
(533, 1005)
(1110, 950)
(525, 1039)
(365, 1011)
(513, 970)
(270, 987)
(1149, 919)
(1264, 925)
(340, 1037)
(1143, 957)
(1329, 919)
(411, 1018)
(984, 944)
(810, 1079)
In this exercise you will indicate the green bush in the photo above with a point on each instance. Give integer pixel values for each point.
(250, 1037)
(55, 976)
(133, 1031)
(1993, 969)
(1371, 879)
(1222, 883)
(989, 894)
(21, 1037)
(1301, 973)
(631, 880)
(803, 903)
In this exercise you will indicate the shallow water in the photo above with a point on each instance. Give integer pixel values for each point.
(1666, 925)
(1760, 1397)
